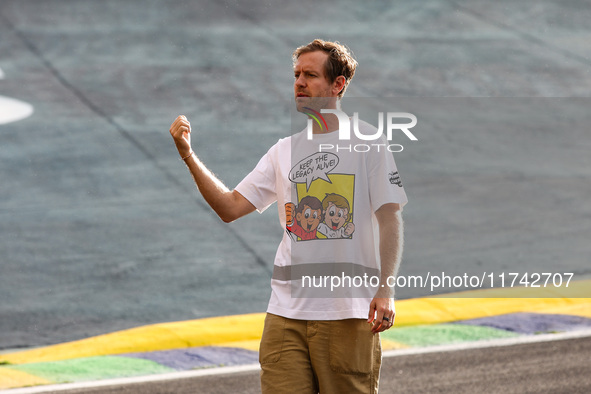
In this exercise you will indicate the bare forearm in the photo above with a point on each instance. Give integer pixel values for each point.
(391, 245)
(229, 205)
(381, 308)
(217, 195)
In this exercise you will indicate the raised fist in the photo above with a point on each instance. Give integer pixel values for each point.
(289, 210)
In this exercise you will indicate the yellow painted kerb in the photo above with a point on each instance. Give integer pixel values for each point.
(10, 378)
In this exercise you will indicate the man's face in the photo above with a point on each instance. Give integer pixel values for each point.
(335, 217)
(309, 218)
(311, 88)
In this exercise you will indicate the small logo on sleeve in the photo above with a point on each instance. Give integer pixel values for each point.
(395, 178)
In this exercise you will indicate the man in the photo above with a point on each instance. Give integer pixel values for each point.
(315, 341)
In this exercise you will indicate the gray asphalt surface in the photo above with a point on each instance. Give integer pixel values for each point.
(552, 367)
(101, 228)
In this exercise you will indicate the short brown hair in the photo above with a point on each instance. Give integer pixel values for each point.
(340, 60)
(311, 201)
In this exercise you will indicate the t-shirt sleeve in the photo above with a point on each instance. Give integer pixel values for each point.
(259, 186)
(385, 184)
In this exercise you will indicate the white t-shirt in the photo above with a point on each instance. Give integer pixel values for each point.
(326, 202)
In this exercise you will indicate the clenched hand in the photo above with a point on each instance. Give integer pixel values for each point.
(180, 130)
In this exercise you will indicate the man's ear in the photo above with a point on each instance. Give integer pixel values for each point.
(338, 84)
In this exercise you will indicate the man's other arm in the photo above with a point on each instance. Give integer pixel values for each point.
(389, 218)
(228, 204)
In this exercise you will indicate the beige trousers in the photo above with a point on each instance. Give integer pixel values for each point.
(327, 356)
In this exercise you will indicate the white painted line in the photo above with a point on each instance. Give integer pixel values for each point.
(12, 110)
(1, 74)
(255, 367)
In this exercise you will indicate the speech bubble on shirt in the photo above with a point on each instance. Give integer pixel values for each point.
(316, 166)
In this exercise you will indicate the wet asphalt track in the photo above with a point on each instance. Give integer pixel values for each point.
(100, 227)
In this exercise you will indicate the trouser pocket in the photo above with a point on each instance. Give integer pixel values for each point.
(352, 347)
(272, 339)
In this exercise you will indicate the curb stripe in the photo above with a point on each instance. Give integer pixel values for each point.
(255, 367)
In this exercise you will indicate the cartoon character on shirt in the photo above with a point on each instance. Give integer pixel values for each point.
(336, 215)
(307, 215)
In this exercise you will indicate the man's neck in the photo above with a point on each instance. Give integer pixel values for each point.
(332, 121)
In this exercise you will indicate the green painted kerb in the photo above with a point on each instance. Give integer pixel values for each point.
(440, 334)
(92, 368)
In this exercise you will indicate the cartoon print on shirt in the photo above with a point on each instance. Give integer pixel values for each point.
(308, 214)
(335, 217)
(324, 208)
